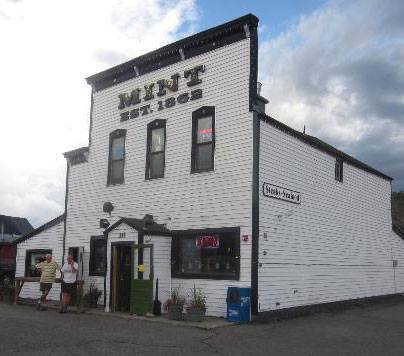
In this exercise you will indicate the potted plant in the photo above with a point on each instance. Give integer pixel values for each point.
(91, 297)
(196, 305)
(174, 305)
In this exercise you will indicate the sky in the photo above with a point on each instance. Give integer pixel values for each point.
(336, 67)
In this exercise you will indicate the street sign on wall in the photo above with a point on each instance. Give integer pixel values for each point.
(274, 191)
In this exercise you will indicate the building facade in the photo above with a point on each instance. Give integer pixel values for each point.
(186, 180)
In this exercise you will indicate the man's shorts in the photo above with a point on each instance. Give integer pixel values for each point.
(45, 287)
(69, 288)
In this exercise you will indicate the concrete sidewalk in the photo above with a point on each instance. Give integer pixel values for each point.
(208, 323)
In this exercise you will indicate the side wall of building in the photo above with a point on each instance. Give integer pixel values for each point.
(337, 243)
(49, 239)
(397, 248)
(215, 199)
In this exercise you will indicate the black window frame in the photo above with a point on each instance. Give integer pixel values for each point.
(112, 136)
(28, 254)
(175, 259)
(204, 111)
(92, 263)
(339, 170)
(155, 124)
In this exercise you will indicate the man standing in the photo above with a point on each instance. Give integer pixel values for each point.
(69, 270)
(48, 270)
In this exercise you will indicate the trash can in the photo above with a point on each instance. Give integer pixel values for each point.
(238, 305)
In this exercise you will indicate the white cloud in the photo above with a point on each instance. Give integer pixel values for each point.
(340, 72)
(47, 49)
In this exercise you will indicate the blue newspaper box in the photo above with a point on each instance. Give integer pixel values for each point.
(239, 305)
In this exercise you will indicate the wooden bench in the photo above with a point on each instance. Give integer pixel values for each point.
(19, 283)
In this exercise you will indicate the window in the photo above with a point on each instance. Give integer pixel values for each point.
(32, 258)
(203, 139)
(116, 162)
(98, 255)
(339, 170)
(210, 254)
(156, 141)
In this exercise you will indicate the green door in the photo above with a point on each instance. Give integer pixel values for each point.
(141, 301)
(124, 278)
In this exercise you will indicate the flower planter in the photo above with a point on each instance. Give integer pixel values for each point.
(195, 314)
(175, 311)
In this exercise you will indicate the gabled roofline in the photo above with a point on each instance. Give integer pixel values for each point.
(40, 229)
(188, 47)
(77, 151)
(138, 225)
(322, 146)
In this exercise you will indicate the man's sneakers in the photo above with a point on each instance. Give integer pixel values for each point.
(38, 305)
(63, 309)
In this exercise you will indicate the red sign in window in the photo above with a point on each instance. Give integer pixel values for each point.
(205, 131)
(207, 241)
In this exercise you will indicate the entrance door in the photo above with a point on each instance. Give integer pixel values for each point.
(121, 277)
(142, 280)
(78, 256)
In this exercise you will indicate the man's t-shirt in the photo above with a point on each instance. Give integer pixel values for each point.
(68, 275)
(48, 271)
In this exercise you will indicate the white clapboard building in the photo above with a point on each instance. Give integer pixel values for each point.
(188, 181)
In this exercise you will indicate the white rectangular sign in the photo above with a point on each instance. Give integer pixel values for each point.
(274, 191)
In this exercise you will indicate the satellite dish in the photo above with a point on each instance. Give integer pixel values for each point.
(107, 207)
(147, 221)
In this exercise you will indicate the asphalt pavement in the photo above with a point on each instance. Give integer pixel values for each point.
(371, 330)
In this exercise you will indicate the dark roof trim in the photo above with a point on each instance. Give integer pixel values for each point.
(262, 99)
(197, 44)
(40, 229)
(323, 146)
(398, 230)
(138, 225)
(76, 152)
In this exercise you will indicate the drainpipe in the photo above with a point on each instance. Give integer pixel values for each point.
(65, 219)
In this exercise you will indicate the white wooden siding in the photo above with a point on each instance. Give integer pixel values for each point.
(221, 198)
(51, 239)
(397, 249)
(336, 244)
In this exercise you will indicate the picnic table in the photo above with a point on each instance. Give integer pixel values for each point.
(19, 283)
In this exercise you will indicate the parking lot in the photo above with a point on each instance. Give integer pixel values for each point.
(370, 330)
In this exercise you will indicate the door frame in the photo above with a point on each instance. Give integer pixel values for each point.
(113, 282)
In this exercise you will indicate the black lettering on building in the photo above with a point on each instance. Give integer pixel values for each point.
(169, 84)
(196, 94)
(126, 100)
(149, 91)
(194, 74)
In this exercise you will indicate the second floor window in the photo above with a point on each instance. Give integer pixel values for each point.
(156, 140)
(116, 157)
(203, 139)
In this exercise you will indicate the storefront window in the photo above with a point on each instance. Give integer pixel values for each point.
(34, 257)
(210, 254)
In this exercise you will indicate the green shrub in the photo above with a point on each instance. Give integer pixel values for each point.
(90, 299)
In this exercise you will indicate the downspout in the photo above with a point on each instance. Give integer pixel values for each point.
(65, 218)
(106, 269)
(255, 215)
(253, 35)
